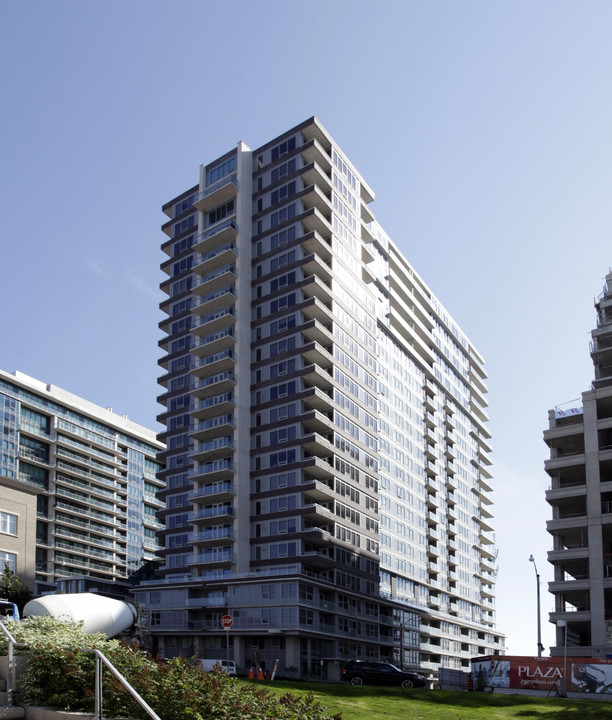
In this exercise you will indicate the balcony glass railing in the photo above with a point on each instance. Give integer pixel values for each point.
(215, 400)
(216, 444)
(215, 357)
(90, 475)
(212, 423)
(212, 489)
(89, 460)
(36, 455)
(214, 379)
(84, 538)
(211, 512)
(217, 228)
(84, 499)
(212, 534)
(215, 274)
(65, 440)
(76, 430)
(87, 513)
(32, 480)
(218, 251)
(233, 179)
(212, 467)
(216, 315)
(227, 332)
(227, 290)
(215, 555)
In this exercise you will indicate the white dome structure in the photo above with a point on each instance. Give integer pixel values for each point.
(96, 612)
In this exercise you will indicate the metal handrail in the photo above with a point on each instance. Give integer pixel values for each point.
(11, 680)
(101, 660)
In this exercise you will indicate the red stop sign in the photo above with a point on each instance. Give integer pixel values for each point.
(226, 621)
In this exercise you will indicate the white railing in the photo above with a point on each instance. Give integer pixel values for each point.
(101, 660)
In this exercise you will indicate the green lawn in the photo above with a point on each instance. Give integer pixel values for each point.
(378, 703)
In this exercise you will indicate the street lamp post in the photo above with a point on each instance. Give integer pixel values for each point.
(540, 646)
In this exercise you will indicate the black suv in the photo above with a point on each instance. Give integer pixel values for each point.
(360, 672)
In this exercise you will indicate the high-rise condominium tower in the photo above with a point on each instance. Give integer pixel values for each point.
(580, 467)
(94, 476)
(327, 450)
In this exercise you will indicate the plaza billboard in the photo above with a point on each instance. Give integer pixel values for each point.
(586, 675)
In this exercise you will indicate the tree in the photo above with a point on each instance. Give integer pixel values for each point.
(14, 589)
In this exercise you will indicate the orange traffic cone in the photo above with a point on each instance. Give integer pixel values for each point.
(260, 674)
(251, 673)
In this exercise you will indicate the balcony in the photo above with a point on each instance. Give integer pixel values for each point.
(318, 468)
(217, 193)
(217, 492)
(314, 265)
(316, 444)
(225, 255)
(317, 513)
(214, 364)
(218, 279)
(221, 404)
(568, 586)
(313, 174)
(219, 447)
(215, 513)
(313, 309)
(316, 331)
(318, 399)
(213, 471)
(212, 536)
(313, 152)
(206, 602)
(215, 321)
(317, 536)
(557, 495)
(313, 243)
(214, 385)
(213, 427)
(317, 377)
(215, 300)
(215, 342)
(314, 220)
(313, 286)
(318, 558)
(315, 353)
(314, 197)
(217, 235)
(317, 491)
(214, 556)
(317, 422)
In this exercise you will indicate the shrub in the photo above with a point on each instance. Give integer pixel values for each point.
(60, 674)
(13, 589)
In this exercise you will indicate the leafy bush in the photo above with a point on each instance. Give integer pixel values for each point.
(60, 674)
(13, 589)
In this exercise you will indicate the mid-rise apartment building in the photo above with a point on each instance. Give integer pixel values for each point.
(580, 467)
(94, 473)
(327, 463)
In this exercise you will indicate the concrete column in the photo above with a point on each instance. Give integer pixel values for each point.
(292, 652)
(593, 501)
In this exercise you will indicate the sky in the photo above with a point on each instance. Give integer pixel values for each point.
(483, 128)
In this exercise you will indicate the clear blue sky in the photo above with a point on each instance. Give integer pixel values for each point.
(483, 127)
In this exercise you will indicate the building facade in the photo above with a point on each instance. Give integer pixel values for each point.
(580, 467)
(95, 477)
(327, 480)
(18, 528)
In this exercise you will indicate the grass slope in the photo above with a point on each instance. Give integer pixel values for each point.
(381, 703)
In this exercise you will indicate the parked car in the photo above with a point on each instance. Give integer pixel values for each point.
(361, 672)
(210, 664)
